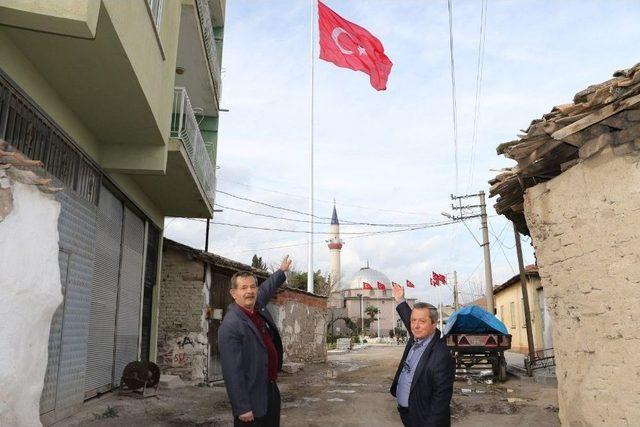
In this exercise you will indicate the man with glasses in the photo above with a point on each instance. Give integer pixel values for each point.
(423, 384)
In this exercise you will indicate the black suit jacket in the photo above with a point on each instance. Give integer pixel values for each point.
(243, 354)
(432, 384)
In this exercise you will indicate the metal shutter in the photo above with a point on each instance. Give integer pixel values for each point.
(129, 293)
(70, 326)
(48, 397)
(104, 294)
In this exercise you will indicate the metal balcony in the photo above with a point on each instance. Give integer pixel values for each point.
(184, 127)
(204, 16)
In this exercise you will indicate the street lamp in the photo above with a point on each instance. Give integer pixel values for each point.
(361, 316)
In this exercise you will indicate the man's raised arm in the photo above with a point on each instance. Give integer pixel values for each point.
(402, 308)
(271, 285)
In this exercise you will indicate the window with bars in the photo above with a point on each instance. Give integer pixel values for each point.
(34, 134)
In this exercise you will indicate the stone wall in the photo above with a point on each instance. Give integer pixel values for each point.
(30, 293)
(302, 321)
(182, 328)
(585, 225)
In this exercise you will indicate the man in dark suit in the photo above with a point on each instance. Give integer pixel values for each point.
(251, 350)
(423, 384)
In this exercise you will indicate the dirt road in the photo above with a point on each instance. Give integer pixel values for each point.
(352, 389)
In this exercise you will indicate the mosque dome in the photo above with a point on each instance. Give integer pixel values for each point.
(368, 275)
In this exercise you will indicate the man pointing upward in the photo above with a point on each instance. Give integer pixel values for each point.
(251, 349)
(423, 384)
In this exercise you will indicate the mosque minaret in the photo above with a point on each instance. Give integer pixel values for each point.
(335, 246)
(349, 297)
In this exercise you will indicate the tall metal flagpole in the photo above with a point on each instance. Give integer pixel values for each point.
(310, 235)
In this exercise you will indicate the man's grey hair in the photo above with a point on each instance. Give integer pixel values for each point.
(234, 278)
(433, 312)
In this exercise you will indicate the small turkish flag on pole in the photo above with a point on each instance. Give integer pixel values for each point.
(348, 45)
(442, 278)
(410, 284)
(435, 279)
(367, 286)
(381, 286)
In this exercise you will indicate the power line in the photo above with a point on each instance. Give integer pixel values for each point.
(453, 89)
(284, 230)
(478, 89)
(342, 222)
(372, 234)
(502, 250)
(308, 232)
(298, 196)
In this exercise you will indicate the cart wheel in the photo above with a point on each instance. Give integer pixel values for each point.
(502, 369)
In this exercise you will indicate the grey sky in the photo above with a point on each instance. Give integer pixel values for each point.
(388, 156)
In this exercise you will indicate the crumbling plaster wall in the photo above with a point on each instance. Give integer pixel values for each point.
(183, 347)
(30, 293)
(585, 226)
(302, 322)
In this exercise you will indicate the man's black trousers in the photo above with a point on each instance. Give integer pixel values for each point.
(272, 417)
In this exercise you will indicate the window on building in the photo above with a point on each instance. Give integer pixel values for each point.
(512, 309)
(502, 313)
(523, 317)
(156, 11)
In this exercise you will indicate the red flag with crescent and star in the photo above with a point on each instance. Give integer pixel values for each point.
(410, 284)
(367, 286)
(381, 286)
(348, 45)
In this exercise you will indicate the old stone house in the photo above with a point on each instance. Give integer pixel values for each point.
(194, 297)
(575, 190)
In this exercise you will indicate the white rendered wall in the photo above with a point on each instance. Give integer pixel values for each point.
(30, 293)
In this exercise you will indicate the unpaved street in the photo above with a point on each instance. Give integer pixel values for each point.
(352, 389)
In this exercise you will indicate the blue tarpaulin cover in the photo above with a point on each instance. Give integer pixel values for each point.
(472, 319)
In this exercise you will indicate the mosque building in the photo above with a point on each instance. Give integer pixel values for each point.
(350, 297)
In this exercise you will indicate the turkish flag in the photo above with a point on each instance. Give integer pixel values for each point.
(442, 278)
(348, 45)
(367, 286)
(410, 284)
(381, 286)
(435, 279)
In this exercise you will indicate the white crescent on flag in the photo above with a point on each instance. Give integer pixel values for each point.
(335, 34)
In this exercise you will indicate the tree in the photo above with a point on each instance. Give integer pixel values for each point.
(256, 262)
(298, 280)
(371, 311)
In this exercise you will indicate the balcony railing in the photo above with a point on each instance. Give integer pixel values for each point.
(184, 126)
(204, 16)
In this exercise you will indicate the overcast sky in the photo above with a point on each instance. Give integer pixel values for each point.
(388, 157)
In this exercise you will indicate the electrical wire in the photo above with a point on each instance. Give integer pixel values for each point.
(342, 222)
(299, 196)
(478, 88)
(453, 90)
(284, 230)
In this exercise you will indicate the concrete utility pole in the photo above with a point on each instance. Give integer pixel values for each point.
(467, 212)
(488, 276)
(525, 299)
(455, 290)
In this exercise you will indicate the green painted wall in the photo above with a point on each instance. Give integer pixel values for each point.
(209, 129)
